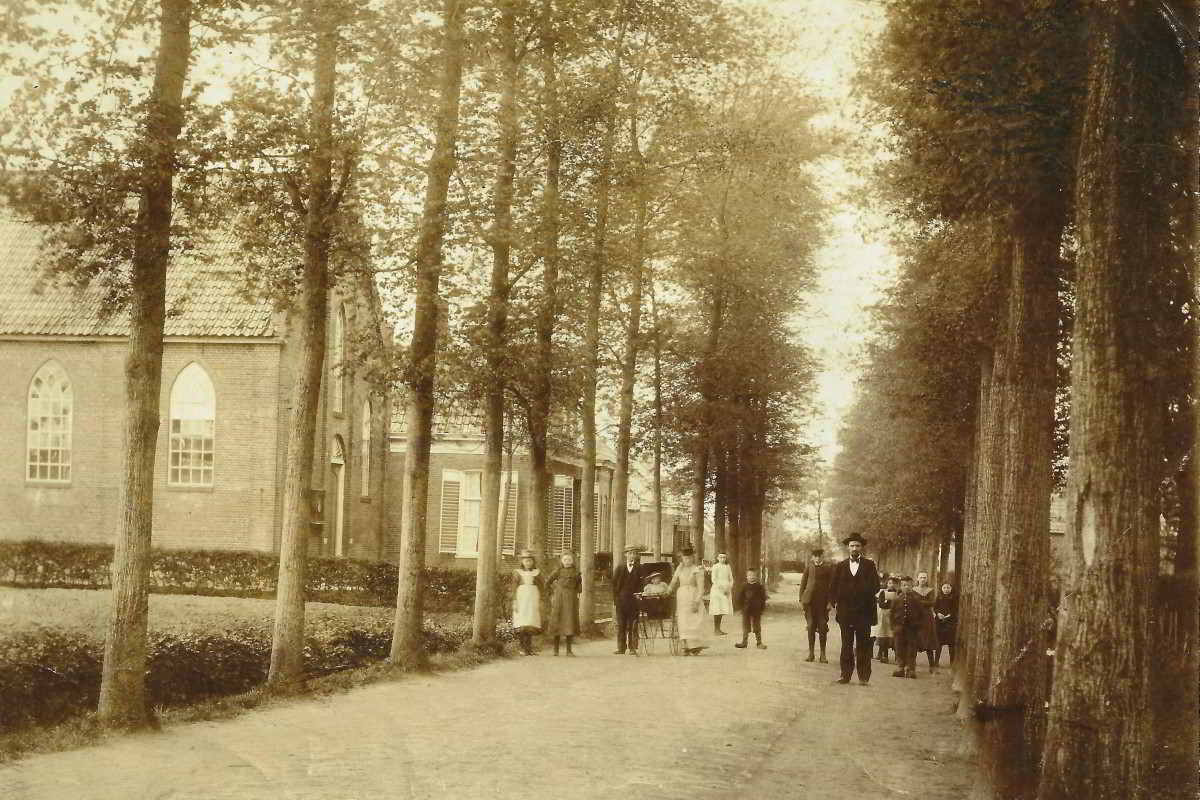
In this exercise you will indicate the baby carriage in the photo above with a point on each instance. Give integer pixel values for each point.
(656, 622)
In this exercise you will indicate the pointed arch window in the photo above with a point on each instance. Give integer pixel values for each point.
(364, 448)
(337, 352)
(193, 428)
(50, 413)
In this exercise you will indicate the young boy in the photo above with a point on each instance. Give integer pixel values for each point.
(883, 631)
(753, 597)
(906, 624)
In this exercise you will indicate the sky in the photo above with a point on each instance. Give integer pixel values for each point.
(856, 264)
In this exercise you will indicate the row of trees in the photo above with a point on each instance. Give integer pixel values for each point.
(523, 180)
(1046, 171)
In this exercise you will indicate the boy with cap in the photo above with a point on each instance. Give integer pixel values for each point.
(814, 599)
(906, 615)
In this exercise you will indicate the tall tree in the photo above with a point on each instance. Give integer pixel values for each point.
(1098, 742)
(123, 677)
(420, 374)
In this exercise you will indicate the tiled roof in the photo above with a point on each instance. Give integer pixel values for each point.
(203, 297)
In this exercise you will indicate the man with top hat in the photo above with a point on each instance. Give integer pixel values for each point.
(814, 599)
(626, 583)
(852, 590)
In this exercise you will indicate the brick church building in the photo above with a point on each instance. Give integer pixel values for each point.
(228, 369)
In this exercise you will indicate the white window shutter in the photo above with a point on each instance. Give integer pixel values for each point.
(509, 535)
(448, 525)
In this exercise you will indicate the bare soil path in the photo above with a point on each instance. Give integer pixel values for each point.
(731, 723)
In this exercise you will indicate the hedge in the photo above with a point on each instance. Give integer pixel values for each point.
(227, 573)
(48, 675)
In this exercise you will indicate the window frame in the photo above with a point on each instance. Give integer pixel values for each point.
(175, 470)
(50, 368)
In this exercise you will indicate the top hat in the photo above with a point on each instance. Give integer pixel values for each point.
(854, 537)
(817, 551)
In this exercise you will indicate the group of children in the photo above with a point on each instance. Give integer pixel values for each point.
(916, 620)
(564, 585)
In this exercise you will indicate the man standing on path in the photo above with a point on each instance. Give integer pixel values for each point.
(855, 582)
(814, 599)
(626, 583)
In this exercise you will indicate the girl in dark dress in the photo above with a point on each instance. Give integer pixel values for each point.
(564, 586)
(927, 635)
(945, 609)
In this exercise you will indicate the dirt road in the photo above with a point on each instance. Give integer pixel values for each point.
(731, 723)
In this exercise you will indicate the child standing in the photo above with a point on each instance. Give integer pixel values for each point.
(906, 614)
(564, 586)
(753, 597)
(527, 602)
(883, 629)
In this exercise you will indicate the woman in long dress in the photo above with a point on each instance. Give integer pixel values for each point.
(527, 602)
(564, 586)
(687, 584)
(720, 599)
(926, 633)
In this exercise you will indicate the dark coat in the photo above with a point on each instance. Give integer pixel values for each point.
(854, 595)
(564, 586)
(626, 584)
(815, 586)
(752, 598)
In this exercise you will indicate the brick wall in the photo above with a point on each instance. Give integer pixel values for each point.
(237, 512)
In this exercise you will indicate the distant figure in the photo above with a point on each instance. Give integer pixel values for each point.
(945, 609)
(687, 584)
(855, 582)
(815, 598)
(927, 637)
(720, 602)
(906, 614)
(564, 586)
(753, 599)
(626, 583)
(883, 628)
(527, 602)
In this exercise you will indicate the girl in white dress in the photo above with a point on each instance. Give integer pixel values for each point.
(720, 599)
(527, 602)
(687, 584)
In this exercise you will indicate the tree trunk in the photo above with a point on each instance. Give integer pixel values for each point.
(123, 676)
(287, 641)
(1098, 741)
(699, 483)
(1018, 678)
(966, 542)
(720, 492)
(407, 650)
(501, 240)
(542, 391)
(658, 427)
(979, 580)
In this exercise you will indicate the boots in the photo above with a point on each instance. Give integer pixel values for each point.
(759, 642)
(570, 639)
(811, 640)
(556, 638)
(742, 643)
(822, 659)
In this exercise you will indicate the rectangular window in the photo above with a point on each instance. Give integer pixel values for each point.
(448, 525)
(191, 453)
(468, 526)
(508, 504)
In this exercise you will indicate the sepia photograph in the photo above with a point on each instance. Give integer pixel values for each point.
(589, 399)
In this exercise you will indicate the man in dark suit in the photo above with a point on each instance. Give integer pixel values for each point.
(814, 599)
(626, 583)
(855, 582)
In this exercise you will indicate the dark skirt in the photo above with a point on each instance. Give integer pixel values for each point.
(564, 605)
